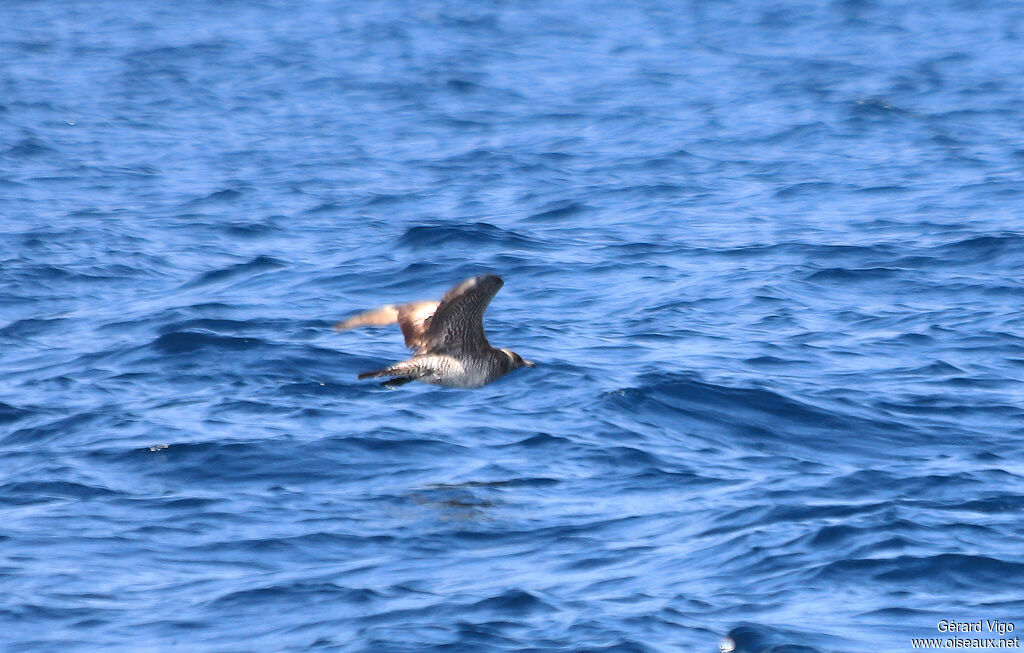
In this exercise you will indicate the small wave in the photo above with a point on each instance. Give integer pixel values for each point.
(390, 199)
(28, 327)
(325, 208)
(758, 638)
(181, 342)
(981, 249)
(875, 108)
(479, 233)
(27, 148)
(951, 571)
(10, 183)
(293, 593)
(993, 505)
(54, 429)
(217, 197)
(772, 361)
(252, 230)
(540, 441)
(854, 274)
(513, 602)
(32, 492)
(882, 190)
(259, 264)
(207, 324)
(805, 188)
(558, 211)
(164, 53)
(752, 413)
(9, 413)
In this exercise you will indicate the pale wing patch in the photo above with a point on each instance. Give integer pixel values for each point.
(414, 319)
(377, 317)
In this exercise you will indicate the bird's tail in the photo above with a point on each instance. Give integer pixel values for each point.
(404, 368)
(399, 375)
(382, 316)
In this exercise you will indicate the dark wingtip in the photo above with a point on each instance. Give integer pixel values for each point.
(369, 375)
(490, 278)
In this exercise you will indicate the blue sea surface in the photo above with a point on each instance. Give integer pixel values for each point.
(767, 255)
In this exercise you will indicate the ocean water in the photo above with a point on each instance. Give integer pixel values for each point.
(767, 255)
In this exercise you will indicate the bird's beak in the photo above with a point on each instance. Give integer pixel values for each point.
(529, 363)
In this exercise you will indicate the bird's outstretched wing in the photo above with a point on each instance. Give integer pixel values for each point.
(457, 326)
(413, 318)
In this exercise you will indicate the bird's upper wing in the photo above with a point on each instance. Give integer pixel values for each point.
(457, 326)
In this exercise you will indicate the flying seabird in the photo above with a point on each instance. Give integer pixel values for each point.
(447, 338)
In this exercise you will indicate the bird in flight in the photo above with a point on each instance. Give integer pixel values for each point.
(447, 338)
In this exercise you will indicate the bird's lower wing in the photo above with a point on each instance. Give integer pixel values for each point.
(413, 318)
